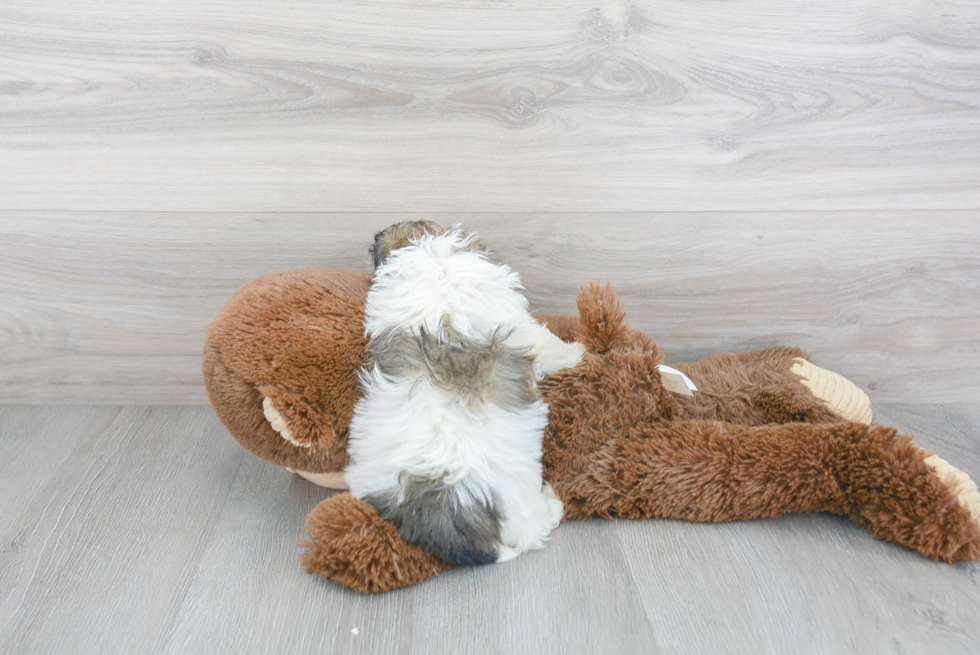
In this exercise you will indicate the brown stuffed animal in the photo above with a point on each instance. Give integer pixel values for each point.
(767, 433)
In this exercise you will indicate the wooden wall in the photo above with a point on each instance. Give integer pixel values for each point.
(745, 173)
(112, 307)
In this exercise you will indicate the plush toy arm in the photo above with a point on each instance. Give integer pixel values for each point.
(712, 471)
(351, 544)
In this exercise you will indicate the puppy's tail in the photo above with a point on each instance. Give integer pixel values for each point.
(443, 519)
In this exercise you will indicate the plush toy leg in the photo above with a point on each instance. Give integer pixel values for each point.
(351, 544)
(712, 471)
(771, 386)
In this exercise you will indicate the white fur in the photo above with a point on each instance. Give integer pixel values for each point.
(409, 425)
(420, 284)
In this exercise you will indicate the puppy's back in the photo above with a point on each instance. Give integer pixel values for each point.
(459, 524)
(445, 401)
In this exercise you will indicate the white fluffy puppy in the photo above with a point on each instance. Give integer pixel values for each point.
(446, 439)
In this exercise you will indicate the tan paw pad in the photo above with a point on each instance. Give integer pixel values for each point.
(843, 396)
(963, 488)
(334, 480)
(278, 423)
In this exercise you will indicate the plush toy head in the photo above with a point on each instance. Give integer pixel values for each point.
(297, 339)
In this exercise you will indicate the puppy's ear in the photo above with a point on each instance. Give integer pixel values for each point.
(398, 236)
(475, 245)
(601, 318)
(378, 255)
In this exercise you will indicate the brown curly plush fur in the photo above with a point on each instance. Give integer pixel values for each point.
(350, 543)
(752, 443)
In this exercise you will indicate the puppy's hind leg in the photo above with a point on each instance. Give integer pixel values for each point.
(555, 507)
(550, 353)
(529, 523)
(506, 554)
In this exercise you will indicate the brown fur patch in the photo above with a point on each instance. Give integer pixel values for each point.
(751, 388)
(400, 235)
(601, 318)
(601, 324)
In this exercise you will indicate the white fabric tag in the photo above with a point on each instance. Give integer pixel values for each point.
(675, 381)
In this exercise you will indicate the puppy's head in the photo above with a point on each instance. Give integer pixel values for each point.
(400, 235)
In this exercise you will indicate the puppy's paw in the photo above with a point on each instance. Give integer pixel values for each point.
(557, 355)
(507, 553)
(279, 424)
(554, 504)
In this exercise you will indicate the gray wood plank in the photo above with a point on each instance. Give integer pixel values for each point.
(250, 593)
(98, 560)
(112, 307)
(569, 105)
(577, 595)
(36, 447)
(36, 443)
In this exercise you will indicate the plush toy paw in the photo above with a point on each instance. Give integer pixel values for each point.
(939, 516)
(278, 423)
(843, 396)
(349, 542)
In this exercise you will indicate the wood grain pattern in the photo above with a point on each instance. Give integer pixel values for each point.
(570, 105)
(36, 445)
(112, 308)
(97, 561)
(22, 472)
(150, 531)
(250, 594)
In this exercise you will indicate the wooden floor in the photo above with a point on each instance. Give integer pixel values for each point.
(149, 530)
